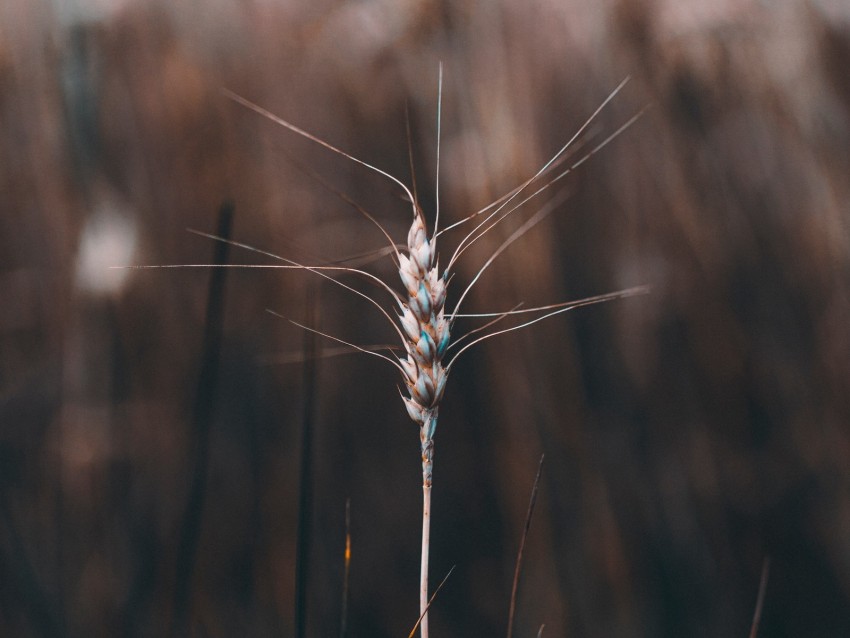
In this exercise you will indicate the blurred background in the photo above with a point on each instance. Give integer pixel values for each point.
(160, 431)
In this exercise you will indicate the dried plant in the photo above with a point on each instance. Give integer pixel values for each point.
(423, 324)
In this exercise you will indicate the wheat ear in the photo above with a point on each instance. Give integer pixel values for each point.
(423, 324)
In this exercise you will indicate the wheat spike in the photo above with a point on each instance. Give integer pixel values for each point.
(423, 325)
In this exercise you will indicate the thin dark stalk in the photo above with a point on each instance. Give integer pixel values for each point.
(518, 567)
(343, 625)
(765, 572)
(304, 535)
(202, 411)
(23, 583)
(430, 602)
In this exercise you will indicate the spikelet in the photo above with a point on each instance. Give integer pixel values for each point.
(427, 335)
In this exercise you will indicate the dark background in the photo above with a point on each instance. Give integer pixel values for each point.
(689, 434)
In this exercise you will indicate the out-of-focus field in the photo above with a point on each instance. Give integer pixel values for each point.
(688, 434)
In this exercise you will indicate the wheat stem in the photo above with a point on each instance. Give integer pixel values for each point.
(427, 469)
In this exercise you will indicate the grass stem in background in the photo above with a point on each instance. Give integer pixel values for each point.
(343, 624)
(202, 412)
(303, 540)
(515, 588)
(765, 573)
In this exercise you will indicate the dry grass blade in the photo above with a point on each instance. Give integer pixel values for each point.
(515, 588)
(765, 572)
(428, 606)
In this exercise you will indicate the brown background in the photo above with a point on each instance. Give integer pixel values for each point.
(688, 434)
